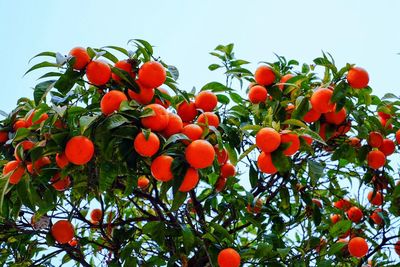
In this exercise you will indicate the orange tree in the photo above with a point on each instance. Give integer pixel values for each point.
(112, 164)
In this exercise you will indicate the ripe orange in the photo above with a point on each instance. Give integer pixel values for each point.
(96, 215)
(358, 247)
(265, 164)
(146, 147)
(336, 118)
(190, 180)
(228, 170)
(208, 118)
(81, 56)
(3, 136)
(30, 122)
(354, 214)
(152, 74)
(79, 150)
(175, 125)
(342, 204)
(357, 78)
(187, 111)
(398, 136)
(111, 101)
(73, 242)
(375, 216)
(144, 96)
(60, 183)
(376, 159)
(200, 154)
(20, 123)
(123, 65)
(321, 100)
(375, 139)
(160, 100)
(335, 218)
(158, 121)
(26, 146)
(17, 170)
(385, 124)
(388, 147)
(206, 101)
(228, 258)
(397, 247)
(355, 141)
(264, 75)
(192, 131)
(40, 163)
(375, 198)
(267, 139)
(220, 184)
(283, 80)
(312, 116)
(307, 138)
(63, 231)
(143, 182)
(61, 160)
(161, 168)
(98, 72)
(293, 139)
(222, 155)
(258, 94)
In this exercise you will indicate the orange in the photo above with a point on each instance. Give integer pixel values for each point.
(354, 214)
(267, 139)
(146, 147)
(355, 141)
(81, 56)
(144, 96)
(293, 139)
(375, 198)
(336, 118)
(384, 115)
(228, 258)
(111, 101)
(220, 184)
(206, 101)
(228, 170)
(98, 72)
(123, 65)
(192, 131)
(30, 122)
(283, 80)
(175, 125)
(376, 159)
(258, 94)
(17, 170)
(40, 163)
(264, 75)
(357, 77)
(222, 155)
(317, 202)
(158, 121)
(335, 218)
(265, 164)
(375, 139)
(312, 116)
(342, 204)
(358, 247)
(190, 180)
(161, 168)
(160, 100)
(96, 215)
(200, 154)
(342, 129)
(187, 111)
(308, 139)
(398, 136)
(63, 231)
(143, 182)
(61, 160)
(20, 123)
(152, 74)
(375, 216)
(388, 147)
(3, 136)
(208, 118)
(79, 150)
(26, 146)
(397, 247)
(321, 100)
(73, 242)
(60, 183)
(385, 124)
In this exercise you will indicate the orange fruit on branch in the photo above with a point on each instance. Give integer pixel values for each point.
(354, 214)
(357, 78)
(376, 159)
(268, 140)
(111, 101)
(206, 101)
(258, 94)
(265, 164)
(264, 75)
(60, 183)
(98, 72)
(96, 215)
(228, 258)
(79, 150)
(187, 111)
(357, 247)
(228, 170)
(200, 154)
(17, 170)
(375, 198)
(208, 118)
(321, 100)
(293, 140)
(375, 139)
(125, 66)
(161, 168)
(192, 131)
(62, 231)
(283, 80)
(190, 180)
(146, 147)
(158, 121)
(388, 147)
(143, 182)
(174, 126)
(81, 56)
(152, 74)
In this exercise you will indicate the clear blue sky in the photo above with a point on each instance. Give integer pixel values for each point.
(362, 32)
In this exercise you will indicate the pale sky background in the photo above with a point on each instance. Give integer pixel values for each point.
(361, 32)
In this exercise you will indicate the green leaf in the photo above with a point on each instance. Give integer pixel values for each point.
(179, 198)
(114, 121)
(214, 67)
(67, 80)
(215, 87)
(188, 239)
(40, 65)
(340, 228)
(222, 232)
(223, 99)
(86, 121)
(281, 162)
(120, 49)
(315, 170)
(41, 90)
(174, 138)
(44, 54)
(144, 43)
(295, 123)
(336, 247)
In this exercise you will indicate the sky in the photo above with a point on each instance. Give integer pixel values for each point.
(184, 32)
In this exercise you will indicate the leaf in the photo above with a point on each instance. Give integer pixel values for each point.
(120, 49)
(179, 198)
(222, 232)
(302, 107)
(315, 170)
(281, 162)
(43, 54)
(214, 67)
(188, 239)
(114, 121)
(340, 228)
(336, 247)
(41, 90)
(247, 152)
(295, 123)
(67, 81)
(126, 78)
(174, 138)
(86, 121)
(223, 99)
(215, 87)
(232, 154)
(40, 65)
(236, 98)
(174, 72)
(144, 43)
